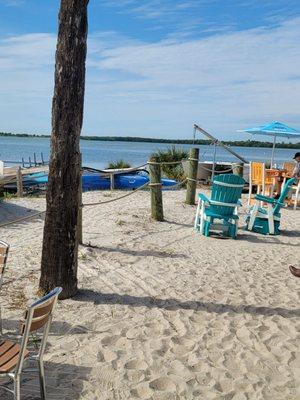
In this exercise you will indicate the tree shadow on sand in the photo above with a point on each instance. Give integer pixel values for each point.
(136, 253)
(174, 304)
(10, 212)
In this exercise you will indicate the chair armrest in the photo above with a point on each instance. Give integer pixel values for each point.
(204, 198)
(269, 200)
(266, 199)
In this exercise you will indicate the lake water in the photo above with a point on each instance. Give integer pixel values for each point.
(97, 154)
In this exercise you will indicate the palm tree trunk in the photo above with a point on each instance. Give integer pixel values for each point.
(60, 247)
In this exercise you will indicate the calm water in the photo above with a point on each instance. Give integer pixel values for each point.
(98, 154)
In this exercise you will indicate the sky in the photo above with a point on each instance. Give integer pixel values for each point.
(156, 67)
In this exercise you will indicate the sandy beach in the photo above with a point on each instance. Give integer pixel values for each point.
(162, 313)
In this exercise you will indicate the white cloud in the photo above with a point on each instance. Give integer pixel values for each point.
(224, 82)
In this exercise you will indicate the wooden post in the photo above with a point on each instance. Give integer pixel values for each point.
(156, 189)
(42, 158)
(23, 163)
(34, 159)
(79, 218)
(19, 182)
(192, 176)
(238, 168)
(112, 181)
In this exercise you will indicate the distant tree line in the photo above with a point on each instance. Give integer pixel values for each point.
(239, 143)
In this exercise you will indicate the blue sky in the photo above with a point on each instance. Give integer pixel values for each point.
(156, 67)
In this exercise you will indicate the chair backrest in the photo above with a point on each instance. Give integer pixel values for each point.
(4, 249)
(284, 192)
(257, 173)
(270, 177)
(227, 188)
(37, 316)
(288, 166)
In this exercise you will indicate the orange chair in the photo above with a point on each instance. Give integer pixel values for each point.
(288, 168)
(256, 178)
(270, 181)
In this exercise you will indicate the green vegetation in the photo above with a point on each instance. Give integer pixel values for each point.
(174, 171)
(118, 165)
(238, 143)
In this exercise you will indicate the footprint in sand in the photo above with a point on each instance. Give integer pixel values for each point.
(106, 355)
(182, 346)
(163, 384)
(140, 365)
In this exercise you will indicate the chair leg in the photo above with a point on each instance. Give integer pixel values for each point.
(42, 379)
(271, 220)
(253, 215)
(296, 197)
(17, 388)
(1, 327)
(197, 217)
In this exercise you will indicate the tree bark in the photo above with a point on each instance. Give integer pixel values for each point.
(60, 246)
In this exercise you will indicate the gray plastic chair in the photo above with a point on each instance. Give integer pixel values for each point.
(13, 356)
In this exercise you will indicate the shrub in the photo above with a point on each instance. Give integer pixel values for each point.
(172, 154)
(118, 164)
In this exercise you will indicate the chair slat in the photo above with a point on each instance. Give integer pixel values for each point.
(43, 310)
(9, 356)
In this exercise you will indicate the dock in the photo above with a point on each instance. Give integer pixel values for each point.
(15, 174)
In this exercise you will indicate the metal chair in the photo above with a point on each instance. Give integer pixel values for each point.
(4, 249)
(13, 356)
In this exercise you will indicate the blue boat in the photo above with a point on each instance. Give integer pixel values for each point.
(95, 181)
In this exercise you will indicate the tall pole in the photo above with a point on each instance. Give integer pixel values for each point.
(273, 151)
(60, 244)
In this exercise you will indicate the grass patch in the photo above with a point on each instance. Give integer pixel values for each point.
(118, 164)
(172, 154)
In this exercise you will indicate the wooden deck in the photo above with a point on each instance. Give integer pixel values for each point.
(10, 174)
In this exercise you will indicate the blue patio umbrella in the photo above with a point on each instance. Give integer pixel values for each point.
(275, 129)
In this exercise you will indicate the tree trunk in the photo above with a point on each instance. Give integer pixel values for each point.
(60, 247)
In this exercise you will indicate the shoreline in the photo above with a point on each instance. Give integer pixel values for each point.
(136, 139)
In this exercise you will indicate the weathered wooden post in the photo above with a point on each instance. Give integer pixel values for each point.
(79, 218)
(112, 181)
(238, 168)
(156, 189)
(192, 176)
(19, 182)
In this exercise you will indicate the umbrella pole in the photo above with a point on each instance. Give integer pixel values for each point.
(273, 151)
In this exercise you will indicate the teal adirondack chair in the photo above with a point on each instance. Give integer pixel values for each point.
(266, 220)
(220, 211)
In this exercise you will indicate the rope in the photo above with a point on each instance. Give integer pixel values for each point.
(216, 172)
(165, 163)
(118, 198)
(191, 179)
(22, 219)
(113, 172)
(178, 184)
(155, 184)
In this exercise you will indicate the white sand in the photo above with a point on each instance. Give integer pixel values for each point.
(162, 312)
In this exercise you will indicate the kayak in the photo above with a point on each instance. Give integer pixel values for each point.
(95, 181)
